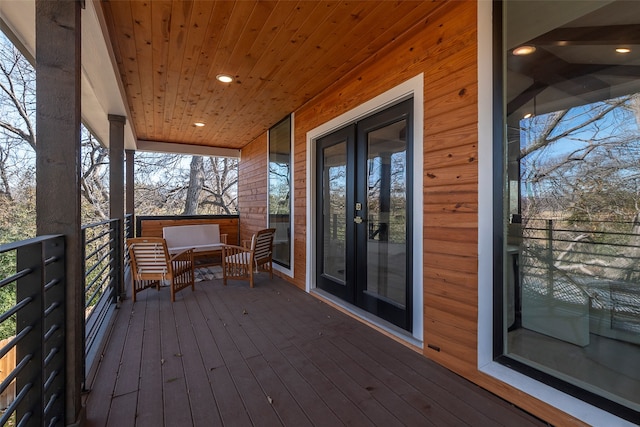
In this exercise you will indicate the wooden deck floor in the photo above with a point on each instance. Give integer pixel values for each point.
(271, 356)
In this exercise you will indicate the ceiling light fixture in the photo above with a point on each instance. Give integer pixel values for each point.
(524, 50)
(224, 78)
(623, 50)
(527, 116)
(198, 124)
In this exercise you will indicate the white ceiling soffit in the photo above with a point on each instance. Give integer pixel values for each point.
(100, 89)
(198, 150)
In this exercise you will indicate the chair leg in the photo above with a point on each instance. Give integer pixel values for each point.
(250, 277)
(271, 269)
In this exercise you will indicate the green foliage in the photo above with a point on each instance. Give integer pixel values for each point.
(17, 222)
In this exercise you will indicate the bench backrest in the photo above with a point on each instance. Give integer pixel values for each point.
(187, 235)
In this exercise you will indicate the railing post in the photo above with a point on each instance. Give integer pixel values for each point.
(117, 259)
(31, 347)
(550, 255)
(54, 333)
(83, 254)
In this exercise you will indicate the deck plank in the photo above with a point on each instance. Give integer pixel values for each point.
(198, 387)
(175, 401)
(127, 380)
(101, 392)
(254, 398)
(334, 398)
(151, 369)
(272, 355)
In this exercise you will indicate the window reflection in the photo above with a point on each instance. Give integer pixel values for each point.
(572, 194)
(280, 190)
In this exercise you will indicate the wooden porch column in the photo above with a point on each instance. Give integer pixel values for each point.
(129, 209)
(58, 166)
(116, 186)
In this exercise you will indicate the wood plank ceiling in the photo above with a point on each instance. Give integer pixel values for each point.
(280, 53)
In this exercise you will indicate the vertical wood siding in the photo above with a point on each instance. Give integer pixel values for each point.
(444, 48)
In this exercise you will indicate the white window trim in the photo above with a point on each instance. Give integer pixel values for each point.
(577, 408)
(413, 87)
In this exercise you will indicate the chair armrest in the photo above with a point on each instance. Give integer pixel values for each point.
(233, 255)
(223, 238)
(183, 256)
(233, 249)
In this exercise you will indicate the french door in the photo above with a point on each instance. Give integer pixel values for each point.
(364, 222)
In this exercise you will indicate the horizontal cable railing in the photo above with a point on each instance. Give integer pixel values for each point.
(583, 262)
(592, 248)
(129, 224)
(103, 253)
(33, 298)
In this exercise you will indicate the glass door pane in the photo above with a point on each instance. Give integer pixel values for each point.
(363, 225)
(334, 209)
(387, 214)
(335, 188)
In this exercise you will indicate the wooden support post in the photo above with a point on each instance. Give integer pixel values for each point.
(116, 193)
(130, 208)
(58, 70)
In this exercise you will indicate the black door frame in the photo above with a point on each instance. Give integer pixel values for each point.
(355, 135)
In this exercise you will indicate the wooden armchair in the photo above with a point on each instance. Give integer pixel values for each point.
(238, 262)
(151, 264)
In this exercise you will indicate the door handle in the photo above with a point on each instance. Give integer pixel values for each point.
(357, 220)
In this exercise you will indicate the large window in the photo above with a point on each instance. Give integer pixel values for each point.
(280, 190)
(569, 292)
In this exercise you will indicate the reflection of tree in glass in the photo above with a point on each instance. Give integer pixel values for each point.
(279, 188)
(396, 210)
(580, 168)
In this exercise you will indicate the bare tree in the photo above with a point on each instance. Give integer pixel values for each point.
(171, 184)
(17, 113)
(221, 185)
(580, 167)
(95, 178)
(196, 183)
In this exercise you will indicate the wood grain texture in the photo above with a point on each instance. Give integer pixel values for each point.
(443, 47)
(228, 226)
(274, 355)
(252, 187)
(281, 54)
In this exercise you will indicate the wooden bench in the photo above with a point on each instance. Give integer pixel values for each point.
(205, 240)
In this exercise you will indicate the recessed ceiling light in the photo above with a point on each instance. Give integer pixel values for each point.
(623, 50)
(524, 50)
(527, 116)
(224, 78)
(198, 124)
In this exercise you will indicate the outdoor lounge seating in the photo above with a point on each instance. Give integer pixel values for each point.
(205, 240)
(151, 265)
(240, 262)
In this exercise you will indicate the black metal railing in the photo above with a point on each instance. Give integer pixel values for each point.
(103, 248)
(594, 263)
(129, 223)
(37, 289)
(591, 248)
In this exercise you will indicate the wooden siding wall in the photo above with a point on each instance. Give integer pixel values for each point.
(153, 227)
(252, 187)
(444, 48)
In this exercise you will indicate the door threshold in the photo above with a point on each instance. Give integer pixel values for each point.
(382, 326)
